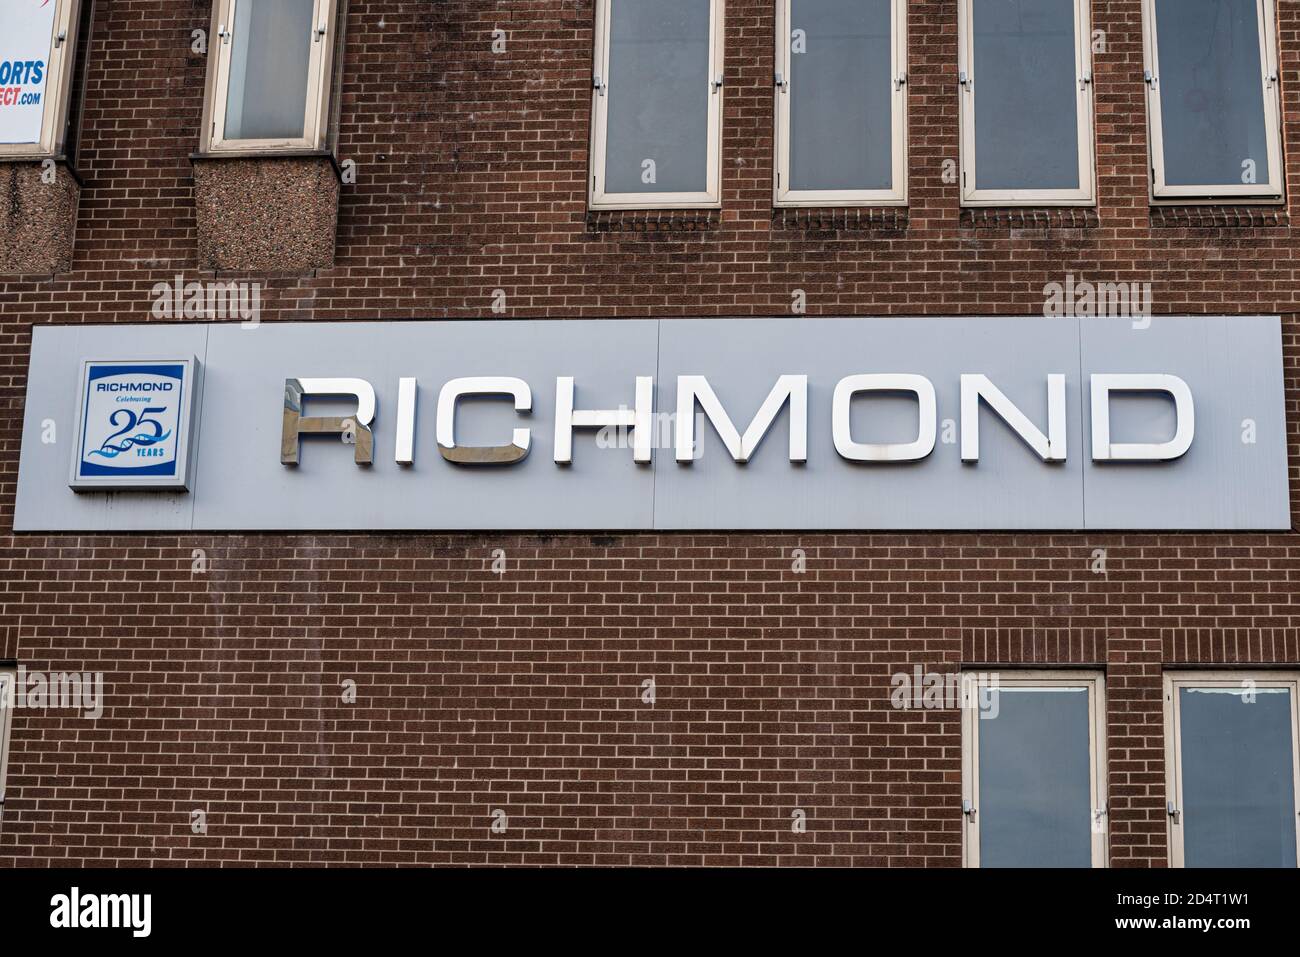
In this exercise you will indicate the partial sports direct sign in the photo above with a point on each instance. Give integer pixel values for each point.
(26, 34)
(1000, 424)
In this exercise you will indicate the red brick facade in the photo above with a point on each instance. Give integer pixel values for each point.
(521, 691)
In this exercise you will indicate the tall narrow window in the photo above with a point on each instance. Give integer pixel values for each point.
(268, 85)
(657, 104)
(841, 102)
(1034, 771)
(1212, 100)
(1233, 769)
(1025, 81)
(36, 59)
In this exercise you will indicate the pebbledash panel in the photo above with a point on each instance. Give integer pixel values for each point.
(955, 423)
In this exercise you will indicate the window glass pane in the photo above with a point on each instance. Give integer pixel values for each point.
(25, 32)
(267, 98)
(657, 135)
(1238, 784)
(1035, 800)
(1026, 107)
(840, 91)
(1211, 92)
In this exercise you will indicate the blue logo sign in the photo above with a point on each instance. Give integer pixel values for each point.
(133, 418)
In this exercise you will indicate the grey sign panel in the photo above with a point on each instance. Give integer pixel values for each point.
(1235, 473)
(1232, 367)
(45, 502)
(241, 483)
(1008, 488)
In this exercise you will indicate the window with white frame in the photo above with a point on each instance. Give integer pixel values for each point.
(37, 42)
(1034, 769)
(1233, 769)
(841, 102)
(657, 104)
(269, 75)
(1025, 86)
(1212, 100)
(6, 711)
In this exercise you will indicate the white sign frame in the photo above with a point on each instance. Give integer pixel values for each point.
(186, 422)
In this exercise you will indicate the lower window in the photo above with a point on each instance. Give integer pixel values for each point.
(1034, 770)
(1232, 769)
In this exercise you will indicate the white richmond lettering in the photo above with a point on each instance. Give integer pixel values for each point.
(926, 408)
(640, 419)
(695, 388)
(789, 391)
(96, 911)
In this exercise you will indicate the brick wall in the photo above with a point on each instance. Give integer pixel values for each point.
(522, 691)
